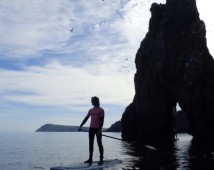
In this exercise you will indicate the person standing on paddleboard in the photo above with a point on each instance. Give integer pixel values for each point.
(97, 120)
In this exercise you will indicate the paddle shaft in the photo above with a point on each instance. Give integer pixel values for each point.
(146, 146)
(105, 135)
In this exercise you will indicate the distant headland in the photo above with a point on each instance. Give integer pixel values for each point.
(58, 128)
(182, 126)
(116, 127)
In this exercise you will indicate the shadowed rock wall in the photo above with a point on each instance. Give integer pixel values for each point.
(173, 65)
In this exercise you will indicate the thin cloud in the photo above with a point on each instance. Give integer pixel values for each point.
(135, 20)
(61, 85)
(29, 27)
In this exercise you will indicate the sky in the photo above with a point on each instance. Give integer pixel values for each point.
(56, 54)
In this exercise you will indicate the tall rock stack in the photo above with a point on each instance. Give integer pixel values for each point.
(173, 66)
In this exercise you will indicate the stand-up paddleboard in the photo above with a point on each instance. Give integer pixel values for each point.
(85, 166)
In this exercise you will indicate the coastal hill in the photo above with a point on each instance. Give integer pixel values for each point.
(116, 127)
(182, 126)
(61, 128)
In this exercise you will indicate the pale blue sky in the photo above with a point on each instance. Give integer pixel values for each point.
(48, 73)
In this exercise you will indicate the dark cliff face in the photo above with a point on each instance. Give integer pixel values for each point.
(173, 66)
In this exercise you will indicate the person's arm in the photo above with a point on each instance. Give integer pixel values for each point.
(101, 122)
(83, 122)
(101, 125)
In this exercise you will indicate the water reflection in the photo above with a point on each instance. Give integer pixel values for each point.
(145, 158)
(182, 151)
(183, 155)
(200, 157)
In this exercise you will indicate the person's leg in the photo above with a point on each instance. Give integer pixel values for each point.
(91, 145)
(100, 145)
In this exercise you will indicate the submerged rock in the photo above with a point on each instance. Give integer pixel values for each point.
(173, 66)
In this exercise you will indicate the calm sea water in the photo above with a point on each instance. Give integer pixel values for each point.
(34, 151)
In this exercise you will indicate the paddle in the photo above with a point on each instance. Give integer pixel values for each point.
(146, 146)
(105, 135)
